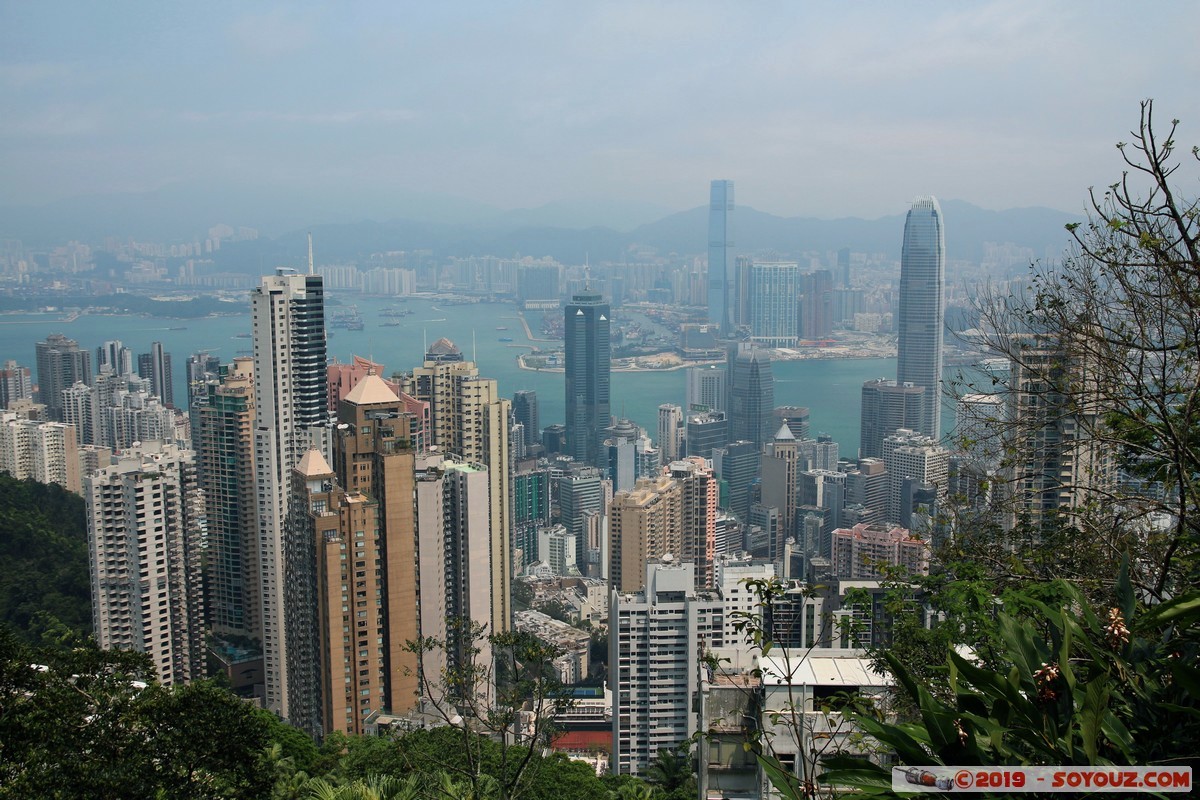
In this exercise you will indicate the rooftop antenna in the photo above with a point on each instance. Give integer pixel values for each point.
(425, 339)
(310, 261)
(587, 272)
(474, 360)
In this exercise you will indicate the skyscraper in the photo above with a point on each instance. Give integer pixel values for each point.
(47, 452)
(751, 395)
(922, 308)
(795, 417)
(658, 636)
(224, 435)
(469, 419)
(707, 389)
(888, 406)
(531, 510)
(588, 367)
(911, 456)
(670, 432)
(706, 430)
(156, 365)
(60, 365)
(720, 254)
(780, 468)
(738, 465)
(114, 357)
(816, 313)
(15, 383)
(290, 398)
(454, 558)
(1055, 409)
(525, 411)
(698, 520)
(145, 519)
(373, 457)
(773, 287)
(645, 522)
(580, 493)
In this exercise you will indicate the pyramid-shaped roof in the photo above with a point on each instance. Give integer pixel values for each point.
(371, 389)
(313, 464)
(785, 434)
(444, 346)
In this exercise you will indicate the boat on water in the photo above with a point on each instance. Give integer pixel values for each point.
(501, 327)
(242, 336)
(506, 338)
(177, 329)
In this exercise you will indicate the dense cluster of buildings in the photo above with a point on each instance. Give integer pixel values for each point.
(300, 523)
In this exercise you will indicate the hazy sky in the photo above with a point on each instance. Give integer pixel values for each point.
(822, 109)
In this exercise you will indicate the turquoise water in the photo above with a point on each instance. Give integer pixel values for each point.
(830, 388)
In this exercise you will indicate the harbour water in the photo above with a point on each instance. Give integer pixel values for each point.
(830, 388)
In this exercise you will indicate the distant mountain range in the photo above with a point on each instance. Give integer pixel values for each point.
(449, 227)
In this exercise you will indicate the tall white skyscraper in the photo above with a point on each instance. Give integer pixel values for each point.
(290, 398)
(720, 254)
(146, 529)
(922, 308)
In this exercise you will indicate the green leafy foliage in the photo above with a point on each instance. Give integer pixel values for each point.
(1114, 687)
(44, 584)
(83, 722)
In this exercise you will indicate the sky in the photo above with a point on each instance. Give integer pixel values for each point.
(813, 109)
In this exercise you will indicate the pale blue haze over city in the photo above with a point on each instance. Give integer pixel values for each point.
(607, 114)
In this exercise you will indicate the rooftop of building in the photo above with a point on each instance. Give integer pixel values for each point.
(444, 347)
(820, 667)
(313, 464)
(371, 389)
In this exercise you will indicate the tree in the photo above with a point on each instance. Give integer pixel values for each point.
(671, 770)
(810, 729)
(498, 694)
(84, 722)
(1119, 687)
(1104, 351)
(376, 787)
(44, 584)
(1076, 593)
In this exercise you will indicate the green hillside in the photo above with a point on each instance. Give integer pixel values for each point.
(43, 558)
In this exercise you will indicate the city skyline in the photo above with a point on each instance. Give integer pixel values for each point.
(712, 443)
